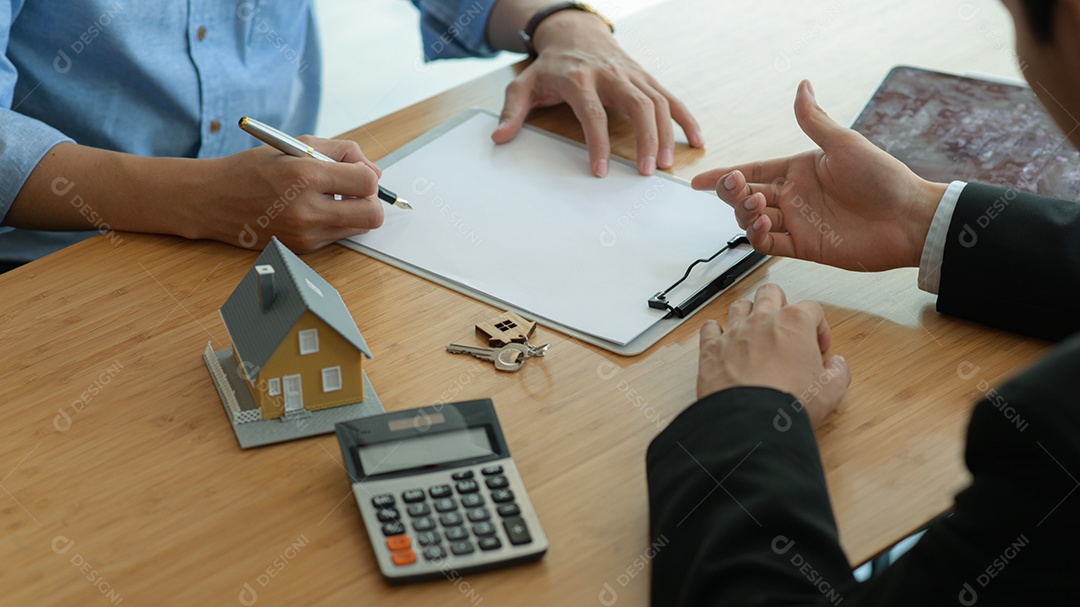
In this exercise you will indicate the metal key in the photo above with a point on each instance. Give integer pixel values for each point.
(507, 358)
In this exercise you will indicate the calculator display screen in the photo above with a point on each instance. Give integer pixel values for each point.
(422, 451)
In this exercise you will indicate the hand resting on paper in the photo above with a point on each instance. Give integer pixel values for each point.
(773, 344)
(848, 204)
(581, 64)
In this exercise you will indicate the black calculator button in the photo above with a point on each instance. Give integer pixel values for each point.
(500, 496)
(463, 475)
(491, 470)
(394, 528)
(483, 529)
(497, 482)
(445, 504)
(419, 509)
(489, 543)
(440, 491)
(461, 548)
(387, 515)
(434, 553)
(472, 500)
(478, 514)
(423, 524)
(506, 510)
(516, 531)
(454, 534)
(467, 486)
(451, 519)
(383, 501)
(413, 495)
(427, 538)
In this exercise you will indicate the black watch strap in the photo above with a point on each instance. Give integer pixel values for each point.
(537, 18)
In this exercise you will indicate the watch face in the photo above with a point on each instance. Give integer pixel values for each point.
(588, 9)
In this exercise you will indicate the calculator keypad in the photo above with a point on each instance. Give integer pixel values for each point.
(442, 528)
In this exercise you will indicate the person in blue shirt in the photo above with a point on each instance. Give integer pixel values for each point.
(121, 115)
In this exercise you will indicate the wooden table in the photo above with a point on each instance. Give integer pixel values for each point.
(123, 481)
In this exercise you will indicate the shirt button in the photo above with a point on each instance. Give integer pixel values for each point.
(215, 126)
(201, 34)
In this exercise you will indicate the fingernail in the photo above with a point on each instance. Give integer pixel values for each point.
(759, 223)
(600, 168)
(667, 158)
(648, 166)
(750, 203)
(502, 123)
(810, 87)
(729, 181)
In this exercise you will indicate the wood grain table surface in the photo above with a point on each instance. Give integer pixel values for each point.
(122, 480)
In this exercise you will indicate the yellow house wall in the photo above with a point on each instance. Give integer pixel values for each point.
(334, 351)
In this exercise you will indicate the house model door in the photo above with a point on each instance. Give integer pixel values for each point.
(294, 395)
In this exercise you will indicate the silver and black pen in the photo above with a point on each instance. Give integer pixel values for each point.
(294, 147)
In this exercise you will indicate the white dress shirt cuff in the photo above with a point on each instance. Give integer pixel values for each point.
(933, 252)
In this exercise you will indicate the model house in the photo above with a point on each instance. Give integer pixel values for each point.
(294, 342)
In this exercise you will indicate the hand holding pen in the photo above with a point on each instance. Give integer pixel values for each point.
(294, 147)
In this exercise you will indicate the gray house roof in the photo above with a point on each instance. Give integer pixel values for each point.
(297, 289)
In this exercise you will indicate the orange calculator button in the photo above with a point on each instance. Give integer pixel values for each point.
(403, 557)
(398, 542)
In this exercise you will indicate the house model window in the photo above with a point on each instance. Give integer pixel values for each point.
(331, 379)
(309, 341)
(273, 386)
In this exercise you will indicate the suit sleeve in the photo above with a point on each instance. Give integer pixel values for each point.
(1011, 538)
(1012, 261)
(737, 499)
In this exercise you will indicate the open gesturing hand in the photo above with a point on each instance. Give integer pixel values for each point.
(848, 204)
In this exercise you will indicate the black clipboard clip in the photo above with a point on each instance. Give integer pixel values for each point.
(725, 280)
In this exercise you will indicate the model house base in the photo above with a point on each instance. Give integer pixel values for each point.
(246, 417)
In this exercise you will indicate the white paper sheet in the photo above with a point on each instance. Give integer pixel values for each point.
(527, 223)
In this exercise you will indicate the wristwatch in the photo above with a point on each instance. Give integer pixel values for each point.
(530, 27)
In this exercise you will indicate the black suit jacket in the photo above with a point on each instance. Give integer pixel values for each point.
(1012, 260)
(737, 495)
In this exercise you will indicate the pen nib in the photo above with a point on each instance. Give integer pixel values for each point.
(401, 203)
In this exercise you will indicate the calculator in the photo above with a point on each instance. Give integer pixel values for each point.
(438, 491)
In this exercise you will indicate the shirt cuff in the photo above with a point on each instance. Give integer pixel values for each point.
(933, 252)
(23, 143)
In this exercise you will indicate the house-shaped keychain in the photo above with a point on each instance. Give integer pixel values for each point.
(504, 329)
(297, 353)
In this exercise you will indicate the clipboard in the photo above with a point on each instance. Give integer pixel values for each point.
(714, 267)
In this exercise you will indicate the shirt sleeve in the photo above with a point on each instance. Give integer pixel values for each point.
(23, 140)
(934, 250)
(455, 28)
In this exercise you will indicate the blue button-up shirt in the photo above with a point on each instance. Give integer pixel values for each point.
(168, 79)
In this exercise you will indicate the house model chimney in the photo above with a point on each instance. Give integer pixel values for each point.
(266, 286)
